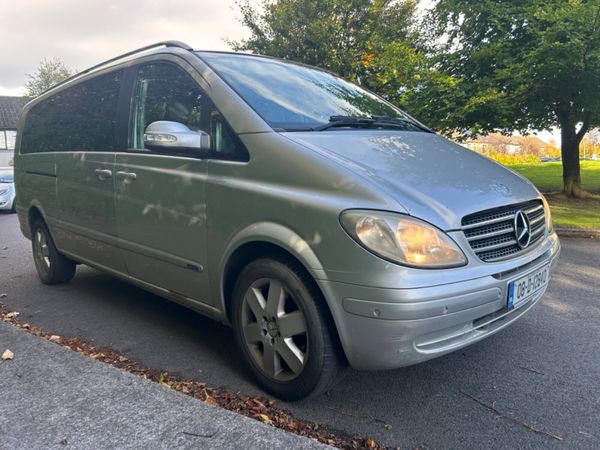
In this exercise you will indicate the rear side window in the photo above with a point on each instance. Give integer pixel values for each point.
(79, 118)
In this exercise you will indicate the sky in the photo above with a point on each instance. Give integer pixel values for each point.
(82, 33)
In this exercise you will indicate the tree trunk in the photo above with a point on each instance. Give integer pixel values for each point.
(569, 149)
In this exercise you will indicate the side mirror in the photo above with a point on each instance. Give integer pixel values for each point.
(166, 135)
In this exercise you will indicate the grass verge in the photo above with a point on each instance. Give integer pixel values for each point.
(574, 212)
(548, 176)
(567, 212)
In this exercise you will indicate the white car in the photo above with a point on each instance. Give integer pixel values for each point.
(7, 190)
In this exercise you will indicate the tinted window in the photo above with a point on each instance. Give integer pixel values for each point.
(81, 117)
(293, 96)
(165, 91)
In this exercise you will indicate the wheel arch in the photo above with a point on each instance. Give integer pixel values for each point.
(34, 212)
(264, 239)
(272, 240)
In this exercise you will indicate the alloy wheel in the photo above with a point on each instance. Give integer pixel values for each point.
(42, 252)
(274, 330)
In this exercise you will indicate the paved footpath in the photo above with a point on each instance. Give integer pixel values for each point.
(52, 397)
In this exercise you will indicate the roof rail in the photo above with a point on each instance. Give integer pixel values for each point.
(176, 44)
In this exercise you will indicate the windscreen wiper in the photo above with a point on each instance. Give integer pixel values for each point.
(401, 120)
(346, 121)
(369, 122)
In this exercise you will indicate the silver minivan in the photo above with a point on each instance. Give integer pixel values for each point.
(326, 226)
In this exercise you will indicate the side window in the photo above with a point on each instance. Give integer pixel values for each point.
(2, 140)
(89, 112)
(165, 91)
(41, 127)
(80, 117)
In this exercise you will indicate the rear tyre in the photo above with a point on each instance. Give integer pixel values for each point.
(283, 331)
(51, 266)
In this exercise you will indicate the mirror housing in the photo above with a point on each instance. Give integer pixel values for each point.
(166, 135)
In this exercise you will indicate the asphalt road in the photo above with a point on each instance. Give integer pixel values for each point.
(543, 372)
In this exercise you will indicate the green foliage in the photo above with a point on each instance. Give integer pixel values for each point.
(371, 42)
(521, 64)
(49, 73)
(334, 34)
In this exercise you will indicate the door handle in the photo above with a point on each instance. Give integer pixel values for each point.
(128, 177)
(103, 174)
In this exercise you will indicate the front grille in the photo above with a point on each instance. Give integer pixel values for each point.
(491, 233)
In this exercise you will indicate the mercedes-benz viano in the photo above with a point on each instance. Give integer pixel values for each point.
(325, 225)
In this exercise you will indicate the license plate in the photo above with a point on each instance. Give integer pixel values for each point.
(522, 289)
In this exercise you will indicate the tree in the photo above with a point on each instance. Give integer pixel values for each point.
(49, 73)
(523, 64)
(371, 42)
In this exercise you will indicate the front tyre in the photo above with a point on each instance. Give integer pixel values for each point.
(283, 330)
(51, 266)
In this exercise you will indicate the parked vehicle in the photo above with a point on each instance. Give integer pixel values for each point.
(7, 190)
(322, 223)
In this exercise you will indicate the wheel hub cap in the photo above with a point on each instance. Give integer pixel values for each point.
(272, 329)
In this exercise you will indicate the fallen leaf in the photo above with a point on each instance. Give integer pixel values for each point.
(265, 419)
(7, 355)
(3, 295)
(371, 443)
(122, 358)
(259, 403)
(54, 338)
(11, 315)
(210, 400)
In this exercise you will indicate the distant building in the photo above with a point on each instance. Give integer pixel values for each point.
(509, 145)
(10, 108)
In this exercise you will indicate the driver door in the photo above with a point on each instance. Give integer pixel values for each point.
(160, 196)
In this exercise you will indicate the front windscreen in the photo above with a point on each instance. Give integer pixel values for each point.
(295, 97)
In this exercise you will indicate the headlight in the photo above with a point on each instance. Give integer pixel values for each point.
(4, 190)
(547, 215)
(402, 239)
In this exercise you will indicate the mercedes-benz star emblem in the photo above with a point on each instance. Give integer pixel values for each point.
(522, 229)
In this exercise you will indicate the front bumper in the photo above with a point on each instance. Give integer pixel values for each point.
(390, 328)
